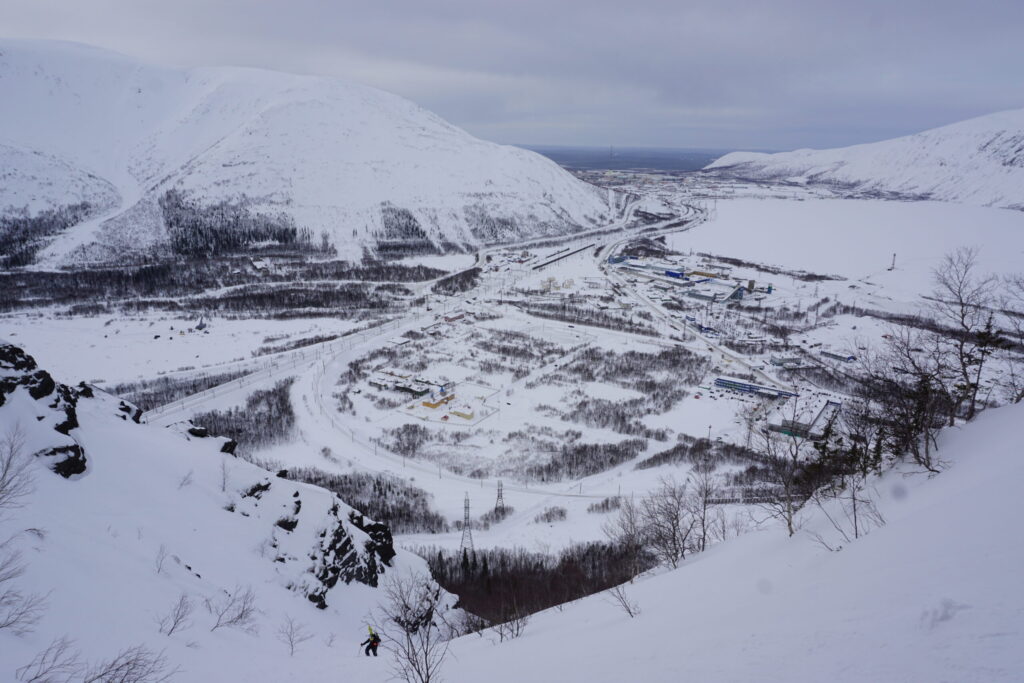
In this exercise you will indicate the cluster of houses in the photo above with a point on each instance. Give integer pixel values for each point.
(434, 395)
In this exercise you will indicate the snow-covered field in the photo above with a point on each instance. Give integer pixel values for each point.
(116, 350)
(856, 239)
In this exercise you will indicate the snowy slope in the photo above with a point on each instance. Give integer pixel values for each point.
(36, 182)
(327, 153)
(934, 595)
(978, 161)
(157, 513)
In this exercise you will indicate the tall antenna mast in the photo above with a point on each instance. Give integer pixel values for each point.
(467, 531)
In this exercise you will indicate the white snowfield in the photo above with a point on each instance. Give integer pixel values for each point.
(978, 161)
(35, 182)
(857, 238)
(325, 152)
(935, 595)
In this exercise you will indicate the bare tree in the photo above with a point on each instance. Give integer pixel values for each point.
(20, 612)
(850, 451)
(621, 598)
(15, 475)
(135, 664)
(703, 489)
(408, 614)
(236, 609)
(785, 455)
(962, 301)
(1013, 310)
(909, 381)
(177, 619)
(58, 663)
(668, 523)
(627, 531)
(292, 634)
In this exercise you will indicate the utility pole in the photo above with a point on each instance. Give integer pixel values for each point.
(499, 505)
(467, 532)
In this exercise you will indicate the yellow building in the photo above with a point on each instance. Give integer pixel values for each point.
(439, 402)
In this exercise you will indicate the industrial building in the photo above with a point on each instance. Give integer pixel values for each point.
(749, 387)
(807, 420)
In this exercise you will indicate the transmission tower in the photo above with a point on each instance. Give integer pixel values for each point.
(499, 505)
(467, 531)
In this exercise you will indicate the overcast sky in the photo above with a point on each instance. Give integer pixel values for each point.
(775, 74)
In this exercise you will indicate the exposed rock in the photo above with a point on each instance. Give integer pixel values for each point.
(71, 459)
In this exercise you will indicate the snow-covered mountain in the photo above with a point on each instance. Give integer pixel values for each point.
(978, 161)
(120, 519)
(361, 165)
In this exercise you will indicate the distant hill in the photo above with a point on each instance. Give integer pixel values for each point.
(978, 161)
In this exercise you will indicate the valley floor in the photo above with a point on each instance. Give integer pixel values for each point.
(536, 353)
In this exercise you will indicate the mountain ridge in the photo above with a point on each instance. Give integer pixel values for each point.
(327, 154)
(976, 161)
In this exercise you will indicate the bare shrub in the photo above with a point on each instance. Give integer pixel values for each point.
(605, 505)
(135, 664)
(58, 663)
(551, 515)
(15, 475)
(161, 558)
(513, 625)
(236, 609)
(177, 619)
(619, 597)
(185, 481)
(20, 612)
(292, 634)
(409, 611)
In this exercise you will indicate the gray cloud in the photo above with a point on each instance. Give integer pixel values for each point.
(726, 73)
